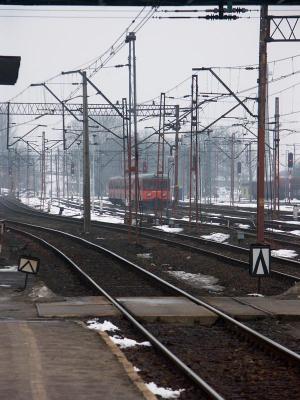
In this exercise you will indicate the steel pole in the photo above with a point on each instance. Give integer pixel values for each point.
(86, 160)
(262, 94)
(176, 187)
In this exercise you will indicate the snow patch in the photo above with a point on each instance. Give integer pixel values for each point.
(125, 343)
(284, 253)
(217, 237)
(165, 393)
(41, 291)
(6, 286)
(105, 326)
(166, 228)
(9, 268)
(146, 256)
(255, 295)
(275, 230)
(198, 280)
(136, 369)
(243, 226)
(296, 232)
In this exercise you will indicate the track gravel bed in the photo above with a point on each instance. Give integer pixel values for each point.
(208, 276)
(233, 367)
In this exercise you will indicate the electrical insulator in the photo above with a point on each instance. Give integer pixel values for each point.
(239, 167)
(72, 168)
(290, 160)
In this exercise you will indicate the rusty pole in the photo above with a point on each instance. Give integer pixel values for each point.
(86, 159)
(232, 170)
(262, 92)
(176, 188)
(276, 157)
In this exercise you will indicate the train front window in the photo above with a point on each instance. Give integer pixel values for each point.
(155, 184)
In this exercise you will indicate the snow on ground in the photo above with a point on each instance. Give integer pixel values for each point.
(166, 228)
(212, 214)
(165, 393)
(297, 232)
(41, 292)
(53, 208)
(105, 326)
(243, 226)
(232, 217)
(198, 280)
(274, 230)
(107, 218)
(146, 256)
(217, 237)
(5, 286)
(125, 343)
(255, 295)
(9, 268)
(287, 222)
(284, 253)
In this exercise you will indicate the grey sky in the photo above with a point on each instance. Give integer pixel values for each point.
(166, 52)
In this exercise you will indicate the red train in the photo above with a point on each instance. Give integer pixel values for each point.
(153, 190)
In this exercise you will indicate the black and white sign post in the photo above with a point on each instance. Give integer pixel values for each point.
(28, 265)
(260, 260)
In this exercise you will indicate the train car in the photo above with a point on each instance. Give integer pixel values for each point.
(153, 190)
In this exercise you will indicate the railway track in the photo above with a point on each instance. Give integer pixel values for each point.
(232, 344)
(282, 268)
(230, 222)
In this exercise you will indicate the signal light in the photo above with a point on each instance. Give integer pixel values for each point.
(290, 160)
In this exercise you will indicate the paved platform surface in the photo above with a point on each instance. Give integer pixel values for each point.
(245, 308)
(59, 360)
(181, 310)
(168, 309)
(51, 359)
(96, 306)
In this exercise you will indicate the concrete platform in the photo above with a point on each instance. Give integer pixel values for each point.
(181, 310)
(94, 306)
(235, 308)
(279, 308)
(59, 360)
(13, 279)
(168, 309)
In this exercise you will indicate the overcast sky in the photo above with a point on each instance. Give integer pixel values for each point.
(59, 39)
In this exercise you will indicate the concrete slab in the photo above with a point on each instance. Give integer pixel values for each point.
(168, 309)
(235, 308)
(96, 306)
(14, 280)
(59, 360)
(284, 309)
(17, 310)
